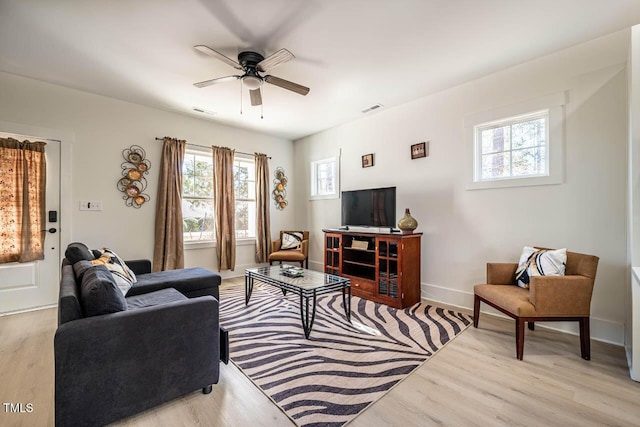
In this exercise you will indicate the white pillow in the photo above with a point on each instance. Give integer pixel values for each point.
(291, 240)
(540, 262)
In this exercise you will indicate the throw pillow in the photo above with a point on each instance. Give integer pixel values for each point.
(291, 240)
(540, 262)
(124, 277)
(81, 267)
(78, 252)
(99, 293)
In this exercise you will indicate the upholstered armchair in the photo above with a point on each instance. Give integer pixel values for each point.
(549, 298)
(299, 253)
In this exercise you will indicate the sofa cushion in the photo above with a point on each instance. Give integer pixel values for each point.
(291, 240)
(163, 296)
(124, 277)
(81, 267)
(77, 252)
(99, 293)
(191, 282)
(540, 262)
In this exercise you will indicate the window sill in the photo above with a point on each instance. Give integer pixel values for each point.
(212, 244)
(325, 197)
(514, 182)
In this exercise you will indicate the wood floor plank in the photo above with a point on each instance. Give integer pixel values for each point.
(474, 381)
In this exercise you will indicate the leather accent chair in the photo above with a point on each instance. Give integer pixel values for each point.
(291, 255)
(548, 299)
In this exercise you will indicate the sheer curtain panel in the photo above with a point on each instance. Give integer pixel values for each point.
(23, 174)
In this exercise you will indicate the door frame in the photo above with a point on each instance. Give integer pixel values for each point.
(66, 139)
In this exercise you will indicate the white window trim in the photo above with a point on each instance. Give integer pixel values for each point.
(554, 104)
(313, 181)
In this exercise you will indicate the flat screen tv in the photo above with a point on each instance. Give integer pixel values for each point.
(375, 207)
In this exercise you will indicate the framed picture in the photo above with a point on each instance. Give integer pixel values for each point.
(367, 160)
(419, 150)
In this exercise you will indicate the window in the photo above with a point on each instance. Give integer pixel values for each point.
(197, 196)
(324, 179)
(511, 148)
(244, 177)
(517, 145)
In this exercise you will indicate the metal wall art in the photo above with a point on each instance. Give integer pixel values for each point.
(133, 183)
(279, 189)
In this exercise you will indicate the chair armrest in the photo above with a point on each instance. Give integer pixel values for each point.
(275, 245)
(134, 359)
(305, 248)
(501, 273)
(561, 295)
(139, 266)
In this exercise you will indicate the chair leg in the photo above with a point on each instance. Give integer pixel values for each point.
(585, 339)
(476, 310)
(207, 389)
(519, 338)
(270, 262)
(531, 326)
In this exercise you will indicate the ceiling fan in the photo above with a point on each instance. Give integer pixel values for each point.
(253, 66)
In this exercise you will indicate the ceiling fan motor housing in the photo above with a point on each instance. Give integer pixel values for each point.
(249, 61)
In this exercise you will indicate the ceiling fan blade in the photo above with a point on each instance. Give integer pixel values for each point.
(256, 97)
(272, 61)
(286, 84)
(216, 81)
(206, 49)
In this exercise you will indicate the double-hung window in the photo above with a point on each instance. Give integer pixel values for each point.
(197, 197)
(244, 179)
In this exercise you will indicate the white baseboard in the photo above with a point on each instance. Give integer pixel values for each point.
(601, 329)
(26, 310)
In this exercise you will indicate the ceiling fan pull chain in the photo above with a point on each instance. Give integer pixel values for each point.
(241, 98)
(262, 111)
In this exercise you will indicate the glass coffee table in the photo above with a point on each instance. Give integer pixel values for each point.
(309, 285)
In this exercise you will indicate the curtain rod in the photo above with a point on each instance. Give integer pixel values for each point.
(204, 146)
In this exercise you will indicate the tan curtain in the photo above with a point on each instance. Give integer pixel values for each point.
(263, 229)
(23, 175)
(224, 207)
(168, 251)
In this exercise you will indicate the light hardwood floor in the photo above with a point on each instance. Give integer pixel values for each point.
(474, 381)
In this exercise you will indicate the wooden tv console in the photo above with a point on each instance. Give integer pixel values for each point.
(382, 267)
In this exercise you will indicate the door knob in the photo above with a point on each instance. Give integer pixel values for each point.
(51, 230)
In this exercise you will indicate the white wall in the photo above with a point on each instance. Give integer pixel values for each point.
(464, 229)
(103, 127)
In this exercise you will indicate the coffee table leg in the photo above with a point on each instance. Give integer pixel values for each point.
(248, 289)
(346, 301)
(307, 323)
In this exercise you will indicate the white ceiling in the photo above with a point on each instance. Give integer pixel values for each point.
(351, 53)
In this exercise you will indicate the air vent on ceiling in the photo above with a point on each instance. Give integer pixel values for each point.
(203, 111)
(373, 107)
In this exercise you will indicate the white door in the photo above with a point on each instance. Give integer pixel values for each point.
(35, 284)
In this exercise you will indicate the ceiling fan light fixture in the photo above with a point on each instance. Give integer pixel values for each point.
(252, 82)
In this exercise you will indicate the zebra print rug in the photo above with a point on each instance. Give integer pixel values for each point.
(344, 367)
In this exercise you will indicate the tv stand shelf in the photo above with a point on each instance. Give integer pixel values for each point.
(382, 267)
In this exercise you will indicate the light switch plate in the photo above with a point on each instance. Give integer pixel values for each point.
(90, 205)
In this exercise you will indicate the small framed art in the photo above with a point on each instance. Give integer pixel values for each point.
(367, 160)
(419, 150)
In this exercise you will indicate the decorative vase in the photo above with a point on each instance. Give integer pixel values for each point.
(407, 223)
